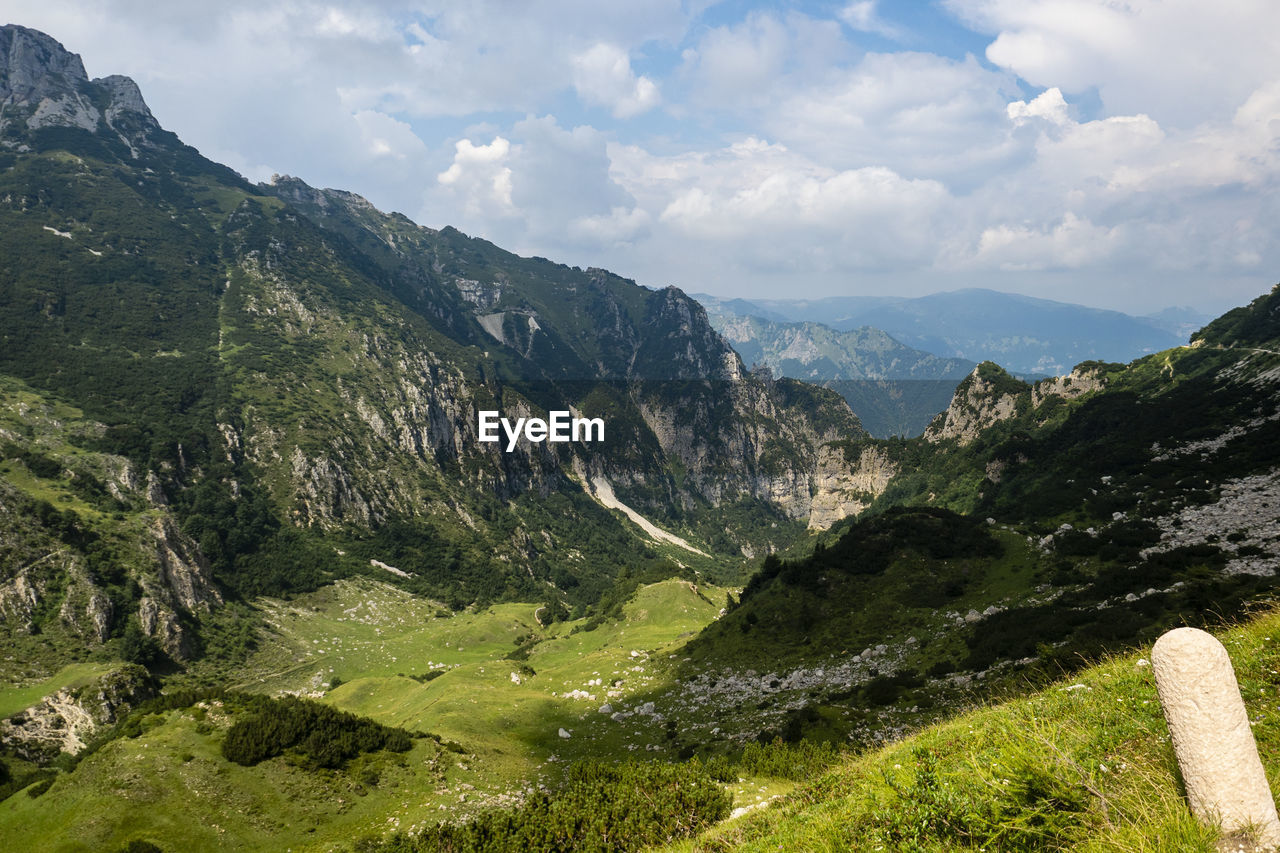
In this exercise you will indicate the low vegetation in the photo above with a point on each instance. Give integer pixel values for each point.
(1084, 764)
(601, 807)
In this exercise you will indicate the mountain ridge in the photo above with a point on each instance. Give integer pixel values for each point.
(1027, 335)
(894, 389)
(239, 451)
(293, 379)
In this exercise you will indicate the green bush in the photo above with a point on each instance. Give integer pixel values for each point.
(600, 808)
(323, 736)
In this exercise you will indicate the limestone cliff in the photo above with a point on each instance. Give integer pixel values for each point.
(841, 490)
(1084, 379)
(44, 85)
(987, 396)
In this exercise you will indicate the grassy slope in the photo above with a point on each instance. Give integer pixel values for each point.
(172, 787)
(1084, 764)
(18, 698)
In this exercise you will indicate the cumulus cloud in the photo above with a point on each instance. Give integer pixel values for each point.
(1180, 61)
(1071, 243)
(917, 113)
(547, 190)
(759, 205)
(603, 77)
(754, 147)
(753, 64)
(1048, 105)
(479, 178)
(386, 136)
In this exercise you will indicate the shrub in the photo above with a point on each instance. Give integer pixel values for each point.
(324, 736)
(601, 808)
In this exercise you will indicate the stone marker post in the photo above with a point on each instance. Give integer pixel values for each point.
(1211, 736)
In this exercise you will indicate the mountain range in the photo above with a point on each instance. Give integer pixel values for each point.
(263, 583)
(893, 388)
(1028, 336)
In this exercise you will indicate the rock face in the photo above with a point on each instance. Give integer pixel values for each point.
(1209, 727)
(731, 433)
(45, 85)
(67, 720)
(841, 490)
(1077, 383)
(986, 396)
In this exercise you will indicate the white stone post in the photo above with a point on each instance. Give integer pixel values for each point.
(1211, 736)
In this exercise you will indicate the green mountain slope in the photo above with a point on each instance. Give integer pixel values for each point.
(1101, 509)
(1086, 764)
(294, 380)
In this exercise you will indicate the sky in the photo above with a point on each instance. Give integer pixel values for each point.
(1118, 154)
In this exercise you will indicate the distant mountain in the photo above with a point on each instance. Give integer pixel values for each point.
(240, 456)
(1182, 321)
(1024, 334)
(894, 389)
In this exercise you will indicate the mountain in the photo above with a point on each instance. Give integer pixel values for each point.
(894, 389)
(1034, 337)
(264, 584)
(220, 390)
(1182, 321)
(1032, 527)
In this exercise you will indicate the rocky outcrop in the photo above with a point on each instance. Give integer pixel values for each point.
(45, 85)
(183, 583)
(68, 719)
(1080, 381)
(184, 571)
(985, 397)
(842, 490)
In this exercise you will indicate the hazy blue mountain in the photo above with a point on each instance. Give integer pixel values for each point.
(1024, 334)
(893, 388)
(1180, 320)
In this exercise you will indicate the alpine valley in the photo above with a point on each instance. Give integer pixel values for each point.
(264, 587)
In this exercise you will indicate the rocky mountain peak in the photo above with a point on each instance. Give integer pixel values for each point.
(35, 66)
(42, 84)
(987, 395)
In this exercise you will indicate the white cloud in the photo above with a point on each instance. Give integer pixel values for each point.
(1071, 243)
(386, 136)
(756, 200)
(480, 179)
(1048, 105)
(862, 16)
(1180, 61)
(620, 225)
(755, 63)
(919, 114)
(546, 190)
(603, 77)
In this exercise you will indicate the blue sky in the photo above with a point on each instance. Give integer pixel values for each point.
(1118, 154)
